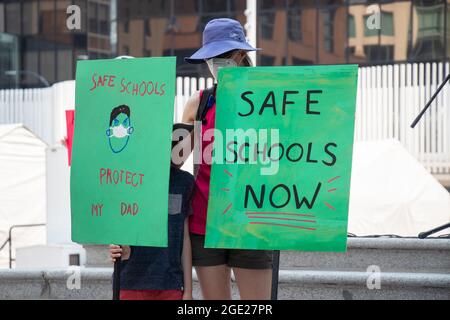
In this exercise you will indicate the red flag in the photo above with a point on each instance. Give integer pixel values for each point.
(70, 121)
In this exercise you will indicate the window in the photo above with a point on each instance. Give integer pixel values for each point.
(328, 29)
(186, 7)
(351, 26)
(386, 23)
(47, 58)
(349, 51)
(300, 62)
(92, 17)
(213, 9)
(30, 51)
(2, 17)
(12, 17)
(30, 18)
(214, 5)
(429, 43)
(265, 60)
(147, 28)
(9, 59)
(64, 60)
(126, 23)
(295, 24)
(267, 20)
(84, 14)
(378, 54)
(104, 19)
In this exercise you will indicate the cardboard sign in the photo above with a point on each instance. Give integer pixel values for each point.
(121, 151)
(282, 158)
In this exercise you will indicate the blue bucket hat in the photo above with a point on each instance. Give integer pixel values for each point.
(220, 36)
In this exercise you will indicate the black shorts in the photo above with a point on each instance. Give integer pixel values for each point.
(234, 258)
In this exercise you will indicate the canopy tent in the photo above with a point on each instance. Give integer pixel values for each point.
(22, 187)
(393, 194)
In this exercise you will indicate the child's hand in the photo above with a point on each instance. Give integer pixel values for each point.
(187, 295)
(116, 252)
(64, 141)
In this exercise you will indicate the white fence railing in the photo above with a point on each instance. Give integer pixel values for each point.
(389, 98)
(40, 110)
(33, 107)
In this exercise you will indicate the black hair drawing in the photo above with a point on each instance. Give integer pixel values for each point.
(118, 110)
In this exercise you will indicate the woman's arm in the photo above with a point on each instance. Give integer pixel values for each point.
(187, 263)
(189, 117)
(190, 109)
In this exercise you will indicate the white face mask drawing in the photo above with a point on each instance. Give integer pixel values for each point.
(120, 131)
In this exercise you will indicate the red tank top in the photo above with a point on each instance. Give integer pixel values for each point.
(200, 194)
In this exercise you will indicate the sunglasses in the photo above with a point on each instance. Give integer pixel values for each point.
(228, 55)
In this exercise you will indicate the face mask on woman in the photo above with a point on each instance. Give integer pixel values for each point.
(214, 64)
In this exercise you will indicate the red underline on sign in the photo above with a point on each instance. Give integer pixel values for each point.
(228, 173)
(283, 225)
(329, 206)
(285, 219)
(282, 214)
(332, 190)
(335, 178)
(228, 208)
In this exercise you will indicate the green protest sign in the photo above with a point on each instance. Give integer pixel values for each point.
(282, 158)
(121, 151)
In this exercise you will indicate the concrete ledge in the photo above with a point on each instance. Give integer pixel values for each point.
(398, 243)
(390, 255)
(97, 256)
(294, 284)
(360, 278)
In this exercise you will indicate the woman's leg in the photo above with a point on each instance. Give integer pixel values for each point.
(215, 282)
(254, 284)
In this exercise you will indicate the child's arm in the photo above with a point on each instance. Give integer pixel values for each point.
(187, 263)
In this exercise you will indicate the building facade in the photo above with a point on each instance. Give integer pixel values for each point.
(35, 40)
(36, 44)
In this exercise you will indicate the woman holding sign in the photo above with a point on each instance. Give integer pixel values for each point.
(224, 45)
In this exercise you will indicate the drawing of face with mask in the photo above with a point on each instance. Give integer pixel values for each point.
(120, 128)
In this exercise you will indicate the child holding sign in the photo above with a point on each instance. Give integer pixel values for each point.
(162, 273)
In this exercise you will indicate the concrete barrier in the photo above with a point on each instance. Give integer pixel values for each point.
(389, 254)
(404, 269)
(95, 283)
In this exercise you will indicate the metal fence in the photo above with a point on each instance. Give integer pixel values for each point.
(389, 97)
(40, 110)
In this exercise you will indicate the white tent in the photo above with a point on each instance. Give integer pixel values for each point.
(393, 194)
(22, 187)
